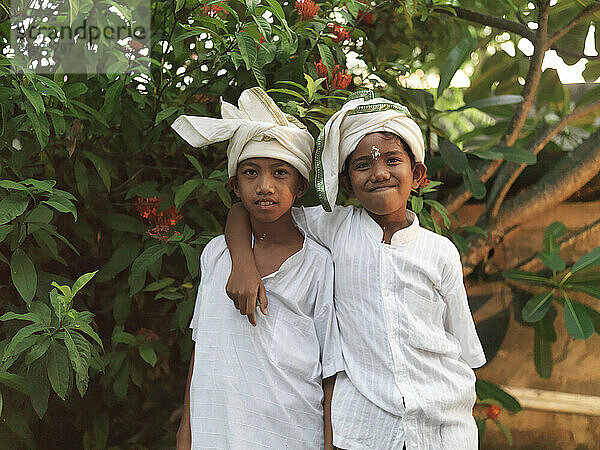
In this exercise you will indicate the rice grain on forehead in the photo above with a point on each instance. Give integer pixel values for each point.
(362, 114)
(256, 128)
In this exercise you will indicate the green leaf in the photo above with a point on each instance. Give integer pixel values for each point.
(74, 6)
(264, 26)
(312, 86)
(63, 205)
(251, 5)
(141, 265)
(453, 156)
(34, 98)
(455, 59)
(59, 370)
(101, 168)
(183, 192)
(12, 207)
(13, 381)
(440, 209)
(121, 307)
(588, 260)
(277, 10)
(165, 113)
(542, 353)
(124, 337)
(496, 100)
(505, 431)
(552, 261)
(119, 261)
(589, 289)
(123, 222)
(517, 155)
(489, 391)
(79, 353)
(327, 57)
(195, 163)
(38, 350)
(14, 316)
(224, 195)
(121, 382)
(192, 258)
(524, 276)
(551, 234)
(82, 281)
(23, 275)
(160, 284)
(247, 46)
(39, 386)
(416, 204)
(474, 184)
(577, 321)
(147, 353)
(537, 307)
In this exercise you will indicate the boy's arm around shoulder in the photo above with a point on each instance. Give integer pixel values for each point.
(459, 320)
(325, 320)
(245, 285)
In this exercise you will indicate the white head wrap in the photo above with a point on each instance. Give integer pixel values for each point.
(362, 114)
(255, 129)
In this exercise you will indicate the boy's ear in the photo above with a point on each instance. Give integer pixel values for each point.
(234, 185)
(345, 183)
(419, 174)
(302, 186)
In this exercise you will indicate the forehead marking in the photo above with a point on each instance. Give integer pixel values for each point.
(375, 153)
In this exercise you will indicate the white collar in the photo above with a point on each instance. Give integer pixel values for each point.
(400, 237)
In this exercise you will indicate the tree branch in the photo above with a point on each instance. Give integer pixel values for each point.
(572, 54)
(571, 173)
(492, 21)
(584, 14)
(511, 171)
(462, 194)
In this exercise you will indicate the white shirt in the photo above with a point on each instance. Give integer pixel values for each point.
(260, 387)
(408, 337)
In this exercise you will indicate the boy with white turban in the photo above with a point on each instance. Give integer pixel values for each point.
(269, 386)
(408, 337)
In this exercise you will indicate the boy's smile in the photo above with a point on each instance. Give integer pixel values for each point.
(383, 179)
(267, 187)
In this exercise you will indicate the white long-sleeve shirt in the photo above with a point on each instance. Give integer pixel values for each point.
(407, 334)
(261, 387)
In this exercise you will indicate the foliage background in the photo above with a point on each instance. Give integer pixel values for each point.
(77, 151)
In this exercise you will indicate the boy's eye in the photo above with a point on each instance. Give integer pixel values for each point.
(249, 172)
(393, 160)
(281, 172)
(360, 166)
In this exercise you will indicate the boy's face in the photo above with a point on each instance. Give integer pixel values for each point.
(380, 174)
(267, 187)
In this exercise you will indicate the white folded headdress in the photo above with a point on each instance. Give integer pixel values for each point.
(255, 129)
(361, 115)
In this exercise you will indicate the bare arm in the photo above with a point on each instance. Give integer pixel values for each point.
(184, 433)
(244, 286)
(328, 384)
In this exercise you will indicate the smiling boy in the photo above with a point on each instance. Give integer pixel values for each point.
(407, 334)
(268, 386)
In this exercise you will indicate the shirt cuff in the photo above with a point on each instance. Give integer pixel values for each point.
(476, 361)
(330, 370)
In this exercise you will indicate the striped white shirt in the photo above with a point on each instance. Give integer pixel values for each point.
(260, 387)
(407, 333)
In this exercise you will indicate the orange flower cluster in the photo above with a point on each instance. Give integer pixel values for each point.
(340, 79)
(340, 34)
(367, 19)
(493, 412)
(214, 10)
(163, 221)
(307, 9)
(147, 334)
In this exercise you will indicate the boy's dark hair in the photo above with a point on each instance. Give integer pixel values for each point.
(388, 135)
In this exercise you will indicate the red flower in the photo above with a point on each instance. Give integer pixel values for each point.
(493, 412)
(163, 221)
(339, 32)
(262, 39)
(425, 182)
(307, 9)
(321, 69)
(214, 10)
(367, 18)
(147, 334)
(341, 79)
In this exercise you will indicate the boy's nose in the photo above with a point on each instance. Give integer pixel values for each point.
(264, 185)
(380, 172)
